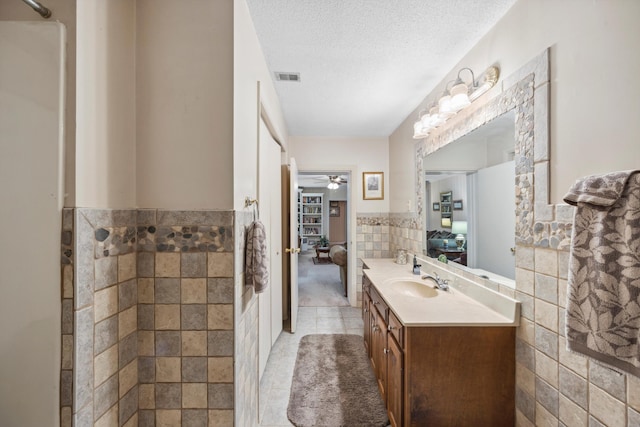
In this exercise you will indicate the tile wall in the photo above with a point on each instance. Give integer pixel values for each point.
(153, 318)
(372, 241)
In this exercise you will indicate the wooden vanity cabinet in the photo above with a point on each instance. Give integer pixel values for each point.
(441, 376)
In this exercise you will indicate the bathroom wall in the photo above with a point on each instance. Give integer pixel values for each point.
(105, 124)
(586, 53)
(328, 154)
(32, 175)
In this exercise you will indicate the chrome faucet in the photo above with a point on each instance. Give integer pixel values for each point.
(442, 284)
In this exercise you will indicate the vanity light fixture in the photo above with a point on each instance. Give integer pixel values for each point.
(458, 97)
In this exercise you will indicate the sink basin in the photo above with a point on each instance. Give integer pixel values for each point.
(413, 288)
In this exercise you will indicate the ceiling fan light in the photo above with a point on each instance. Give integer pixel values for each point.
(332, 186)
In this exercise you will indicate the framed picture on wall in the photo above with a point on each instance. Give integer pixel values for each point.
(457, 205)
(334, 211)
(373, 185)
(436, 206)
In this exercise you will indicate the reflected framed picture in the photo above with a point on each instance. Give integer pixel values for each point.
(457, 205)
(436, 206)
(334, 211)
(373, 185)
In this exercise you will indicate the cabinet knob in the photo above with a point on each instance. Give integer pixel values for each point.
(389, 328)
(366, 310)
(386, 351)
(376, 302)
(376, 328)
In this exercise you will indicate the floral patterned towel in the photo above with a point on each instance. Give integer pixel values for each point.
(256, 262)
(603, 297)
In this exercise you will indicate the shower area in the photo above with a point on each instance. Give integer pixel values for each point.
(32, 92)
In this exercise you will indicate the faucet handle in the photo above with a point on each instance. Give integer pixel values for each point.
(436, 275)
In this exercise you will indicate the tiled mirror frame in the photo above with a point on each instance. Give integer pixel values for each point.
(526, 91)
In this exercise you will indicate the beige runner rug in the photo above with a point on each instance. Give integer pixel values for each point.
(334, 385)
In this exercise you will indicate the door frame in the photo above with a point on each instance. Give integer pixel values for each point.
(352, 170)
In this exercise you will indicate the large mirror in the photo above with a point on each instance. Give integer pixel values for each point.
(523, 100)
(477, 174)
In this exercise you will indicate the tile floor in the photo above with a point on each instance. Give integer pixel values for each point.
(276, 380)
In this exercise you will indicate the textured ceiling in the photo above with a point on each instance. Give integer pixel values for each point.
(364, 64)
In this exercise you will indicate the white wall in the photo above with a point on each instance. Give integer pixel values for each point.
(184, 89)
(249, 68)
(31, 170)
(458, 187)
(328, 154)
(495, 220)
(106, 116)
(594, 60)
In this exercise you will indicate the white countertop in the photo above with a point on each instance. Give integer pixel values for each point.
(455, 307)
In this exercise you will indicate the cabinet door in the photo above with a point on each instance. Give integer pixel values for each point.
(378, 350)
(366, 317)
(394, 381)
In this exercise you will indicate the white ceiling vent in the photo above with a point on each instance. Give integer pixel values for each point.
(287, 77)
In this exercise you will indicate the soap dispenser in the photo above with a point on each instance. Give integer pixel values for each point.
(416, 266)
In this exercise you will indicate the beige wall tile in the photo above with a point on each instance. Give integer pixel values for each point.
(546, 314)
(544, 418)
(194, 395)
(571, 414)
(105, 365)
(105, 303)
(562, 293)
(127, 266)
(168, 417)
(109, 419)
(147, 396)
(525, 281)
(547, 368)
(220, 264)
(146, 291)
(573, 361)
(127, 321)
(146, 343)
(633, 392)
(526, 331)
(194, 343)
(220, 370)
(168, 370)
(132, 422)
(546, 261)
(167, 264)
(522, 420)
(194, 291)
(127, 377)
(526, 379)
(67, 281)
(220, 316)
(220, 418)
(167, 316)
(605, 408)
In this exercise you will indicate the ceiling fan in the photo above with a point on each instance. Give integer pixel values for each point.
(335, 181)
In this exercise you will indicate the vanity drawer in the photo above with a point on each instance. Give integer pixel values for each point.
(396, 329)
(379, 304)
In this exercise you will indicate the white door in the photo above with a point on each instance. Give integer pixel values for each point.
(269, 203)
(293, 248)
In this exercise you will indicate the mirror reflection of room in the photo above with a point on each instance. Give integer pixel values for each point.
(470, 195)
